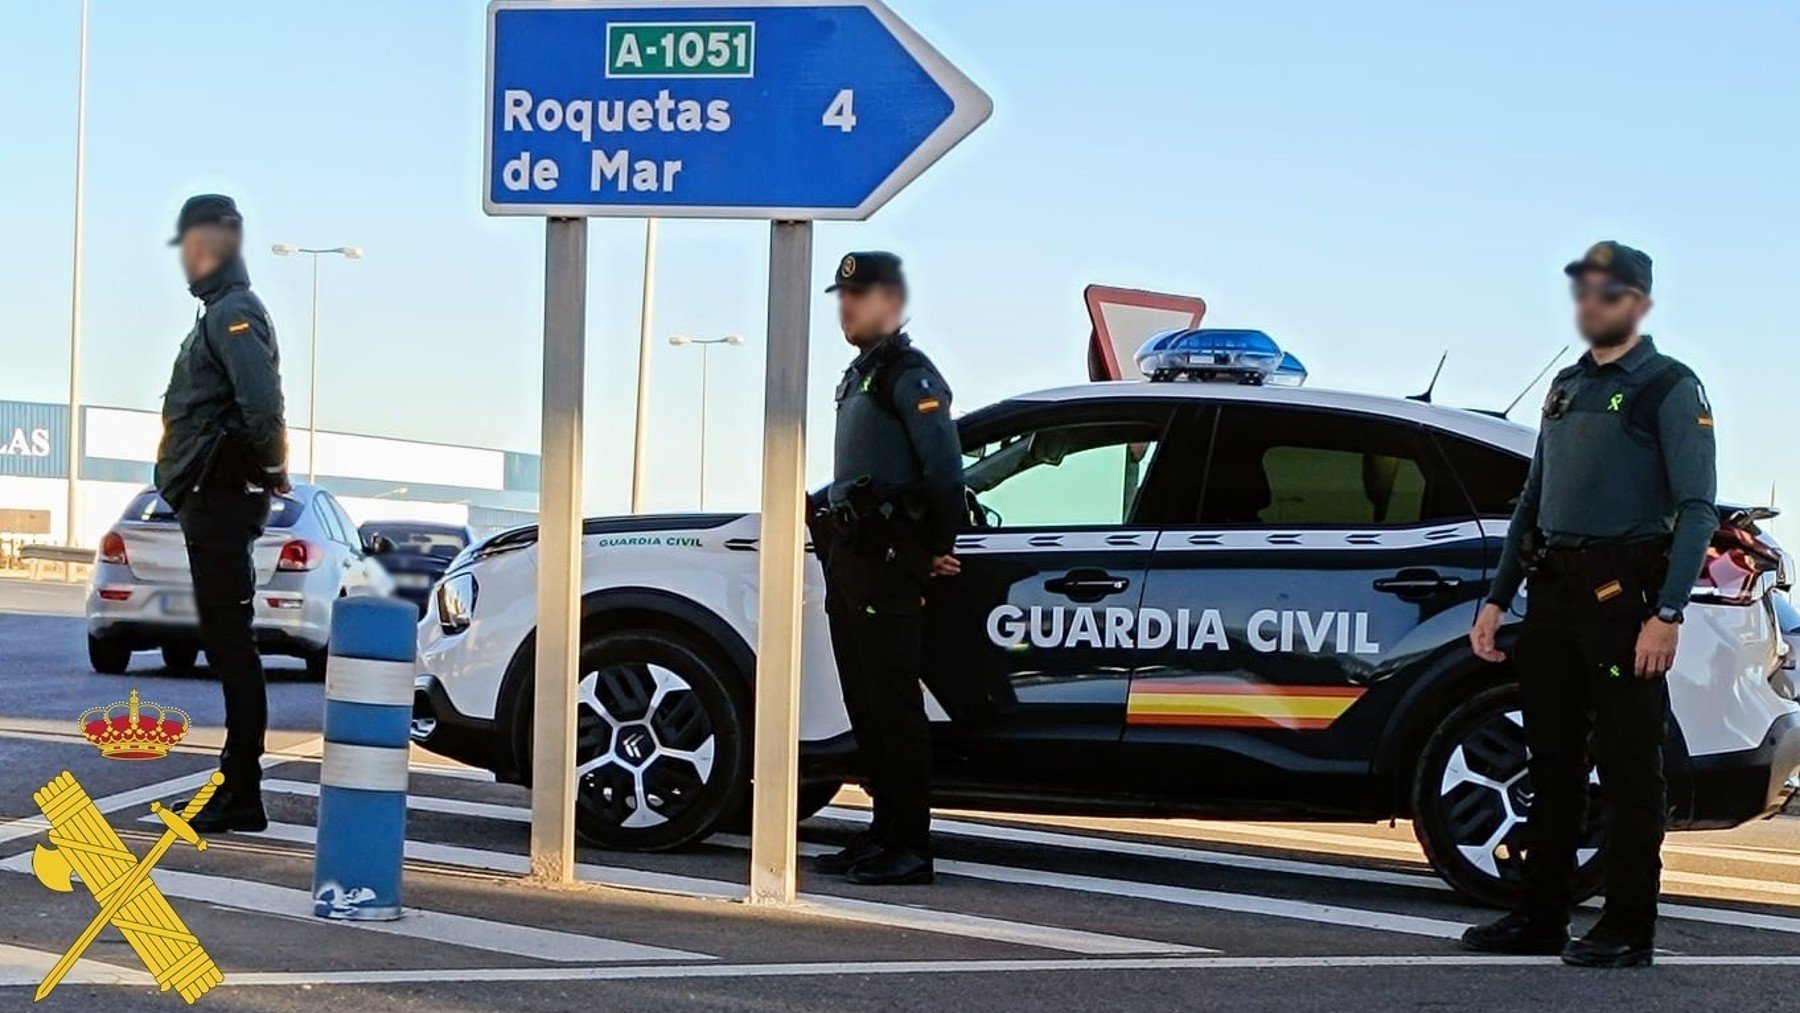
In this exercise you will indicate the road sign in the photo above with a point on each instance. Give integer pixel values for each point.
(781, 110)
(784, 110)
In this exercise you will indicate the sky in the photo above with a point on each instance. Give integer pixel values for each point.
(1374, 184)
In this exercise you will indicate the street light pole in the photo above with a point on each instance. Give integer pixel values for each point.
(705, 363)
(640, 435)
(74, 426)
(312, 386)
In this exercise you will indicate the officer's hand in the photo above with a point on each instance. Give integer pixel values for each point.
(1656, 648)
(1481, 635)
(945, 566)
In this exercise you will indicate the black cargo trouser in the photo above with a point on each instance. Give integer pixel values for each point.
(1576, 658)
(875, 605)
(219, 526)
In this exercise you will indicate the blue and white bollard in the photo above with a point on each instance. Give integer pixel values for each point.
(362, 783)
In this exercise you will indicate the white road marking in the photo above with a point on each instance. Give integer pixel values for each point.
(1014, 832)
(430, 926)
(514, 975)
(846, 909)
(1020, 834)
(21, 965)
(29, 826)
(423, 803)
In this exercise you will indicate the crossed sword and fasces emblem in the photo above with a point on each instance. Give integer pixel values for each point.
(83, 844)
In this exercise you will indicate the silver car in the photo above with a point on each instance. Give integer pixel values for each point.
(142, 598)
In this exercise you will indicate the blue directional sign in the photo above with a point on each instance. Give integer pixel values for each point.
(783, 109)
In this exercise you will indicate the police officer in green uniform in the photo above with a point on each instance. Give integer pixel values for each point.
(224, 450)
(895, 505)
(1612, 528)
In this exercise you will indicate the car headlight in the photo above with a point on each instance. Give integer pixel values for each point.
(456, 602)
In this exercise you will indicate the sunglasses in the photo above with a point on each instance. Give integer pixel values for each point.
(1608, 292)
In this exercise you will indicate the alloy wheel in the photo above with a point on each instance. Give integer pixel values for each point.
(1486, 795)
(644, 747)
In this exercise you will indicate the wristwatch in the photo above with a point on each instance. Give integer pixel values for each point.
(1669, 614)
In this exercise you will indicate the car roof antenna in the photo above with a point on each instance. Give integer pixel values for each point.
(1425, 396)
(1514, 403)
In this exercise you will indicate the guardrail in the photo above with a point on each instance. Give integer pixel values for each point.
(72, 562)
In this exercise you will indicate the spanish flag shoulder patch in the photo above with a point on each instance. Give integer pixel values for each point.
(927, 405)
(1705, 421)
(238, 328)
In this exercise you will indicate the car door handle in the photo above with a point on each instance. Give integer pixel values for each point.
(1416, 583)
(1087, 585)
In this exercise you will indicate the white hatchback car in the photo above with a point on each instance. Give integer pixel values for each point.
(141, 597)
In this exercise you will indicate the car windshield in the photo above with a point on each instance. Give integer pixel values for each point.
(149, 508)
(419, 540)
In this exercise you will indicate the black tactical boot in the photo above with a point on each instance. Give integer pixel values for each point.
(1519, 934)
(861, 847)
(1609, 946)
(232, 809)
(892, 867)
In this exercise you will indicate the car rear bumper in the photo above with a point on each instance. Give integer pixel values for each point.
(1731, 788)
(438, 726)
(285, 622)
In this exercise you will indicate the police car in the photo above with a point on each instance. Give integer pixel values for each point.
(1221, 599)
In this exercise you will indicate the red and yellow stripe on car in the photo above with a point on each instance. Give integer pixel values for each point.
(1237, 705)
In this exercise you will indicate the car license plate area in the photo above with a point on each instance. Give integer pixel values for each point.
(177, 604)
(412, 581)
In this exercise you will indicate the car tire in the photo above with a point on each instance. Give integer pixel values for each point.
(1471, 802)
(316, 663)
(685, 714)
(107, 656)
(180, 658)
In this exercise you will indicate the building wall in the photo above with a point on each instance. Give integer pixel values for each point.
(375, 477)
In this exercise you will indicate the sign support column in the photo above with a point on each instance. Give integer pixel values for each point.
(781, 558)
(559, 554)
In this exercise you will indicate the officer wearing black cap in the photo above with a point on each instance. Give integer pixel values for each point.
(1612, 528)
(224, 450)
(894, 508)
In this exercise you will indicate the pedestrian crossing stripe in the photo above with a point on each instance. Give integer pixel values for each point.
(1219, 705)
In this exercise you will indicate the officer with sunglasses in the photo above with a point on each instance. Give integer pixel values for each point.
(1612, 528)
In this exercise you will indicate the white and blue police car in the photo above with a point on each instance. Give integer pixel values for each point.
(1240, 598)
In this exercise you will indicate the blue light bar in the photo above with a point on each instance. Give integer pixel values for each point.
(1215, 354)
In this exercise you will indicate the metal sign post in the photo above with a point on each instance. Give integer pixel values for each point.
(559, 553)
(785, 111)
(781, 558)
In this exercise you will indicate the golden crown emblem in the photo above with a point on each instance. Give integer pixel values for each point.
(126, 729)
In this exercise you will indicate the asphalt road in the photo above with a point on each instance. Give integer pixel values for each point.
(1027, 914)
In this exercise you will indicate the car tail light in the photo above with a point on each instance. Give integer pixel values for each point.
(299, 554)
(112, 548)
(115, 594)
(1736, 563)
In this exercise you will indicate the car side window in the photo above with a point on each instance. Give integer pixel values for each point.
(1492, 477)
(1063, 475)
(328, 518)
(345, 524)
(1275, 465)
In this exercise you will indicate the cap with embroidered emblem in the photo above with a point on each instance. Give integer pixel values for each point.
(860, 271)
(206, 209)
(1615, 260)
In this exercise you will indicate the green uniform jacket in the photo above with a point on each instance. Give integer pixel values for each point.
(1597, 478)
(910, 447)
(223, 412)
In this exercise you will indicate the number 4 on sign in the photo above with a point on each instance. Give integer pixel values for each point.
(841, 113)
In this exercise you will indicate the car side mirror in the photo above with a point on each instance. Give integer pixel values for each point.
(379, 545)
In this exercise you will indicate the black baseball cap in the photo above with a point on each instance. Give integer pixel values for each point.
(206, 209)
(859, 271)
(1615, 260)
